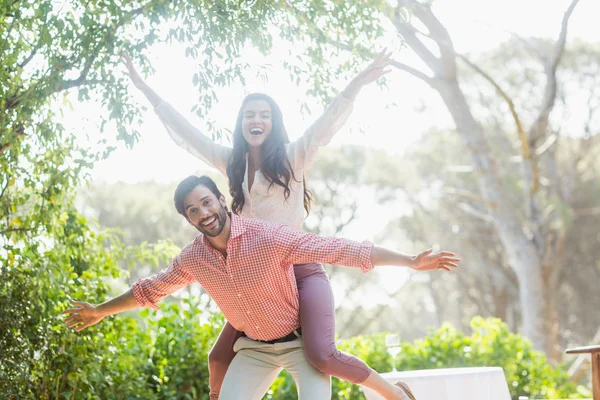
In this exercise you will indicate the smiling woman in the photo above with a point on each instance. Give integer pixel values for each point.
(262, 150)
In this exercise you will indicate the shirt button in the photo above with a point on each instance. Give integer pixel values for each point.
(257, 327)
(239, 295)
(248, 312)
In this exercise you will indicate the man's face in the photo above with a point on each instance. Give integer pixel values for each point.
(205, 211)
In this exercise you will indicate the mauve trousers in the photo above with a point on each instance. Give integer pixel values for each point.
(317, 318)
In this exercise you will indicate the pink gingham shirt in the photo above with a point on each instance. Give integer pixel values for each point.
(254, 286)
(263, 200)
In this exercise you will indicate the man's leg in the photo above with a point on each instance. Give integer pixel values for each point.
(220, 357)
(251, 372)
(312, 384)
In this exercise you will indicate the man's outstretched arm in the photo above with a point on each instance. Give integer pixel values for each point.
(424, 261)
(87, 314)
(298, 247)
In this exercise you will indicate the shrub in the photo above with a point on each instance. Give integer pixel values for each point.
(490, 344)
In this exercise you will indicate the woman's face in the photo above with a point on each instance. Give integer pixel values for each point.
(256, 122)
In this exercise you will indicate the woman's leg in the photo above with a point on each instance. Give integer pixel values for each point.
(317, 318)
(220, 357)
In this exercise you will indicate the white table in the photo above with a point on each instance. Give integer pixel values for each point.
(484, 383)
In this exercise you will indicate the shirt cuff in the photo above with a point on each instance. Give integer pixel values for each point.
(141, 297)
(364, 256)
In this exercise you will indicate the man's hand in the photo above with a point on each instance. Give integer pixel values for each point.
(430, 261)
(85, 315)
(374, 71)
(131, 72)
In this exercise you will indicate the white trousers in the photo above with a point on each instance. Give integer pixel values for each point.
(257, 364)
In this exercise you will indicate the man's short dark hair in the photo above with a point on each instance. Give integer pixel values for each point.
(190, 183)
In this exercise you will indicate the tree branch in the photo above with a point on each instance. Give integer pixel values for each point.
(20, 132)
(7, 35)
(583, 212)
(5, 187)
(401, 66)
(5, 231)
(476, 213)
(562, 37)
(540, 126)
(29, 57)
(35, 48)
(408, 34)
(525, 148)
(81, 80)
(131, 15)
(439, 34)
(528, 43)
(414, 72)
(469, 195)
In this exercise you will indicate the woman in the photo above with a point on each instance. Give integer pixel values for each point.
(266, 181)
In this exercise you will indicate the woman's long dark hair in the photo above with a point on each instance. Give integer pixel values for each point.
(275, 164)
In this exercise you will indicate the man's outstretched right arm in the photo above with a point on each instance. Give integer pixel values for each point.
(86, 314)
(145, 292)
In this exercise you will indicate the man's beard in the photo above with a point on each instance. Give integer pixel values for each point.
(221, 217)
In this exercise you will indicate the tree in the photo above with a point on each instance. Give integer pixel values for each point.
(532, 235)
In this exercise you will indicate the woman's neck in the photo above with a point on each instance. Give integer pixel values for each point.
(254, 158)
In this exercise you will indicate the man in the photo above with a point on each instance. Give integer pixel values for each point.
(245, 265)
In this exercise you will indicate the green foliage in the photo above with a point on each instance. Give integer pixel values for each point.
(162, 358)
(48, 252)
(326, 31)
(178, 349)
(490, 344)
(42, 358)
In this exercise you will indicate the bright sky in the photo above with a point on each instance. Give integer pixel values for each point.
(475, 25)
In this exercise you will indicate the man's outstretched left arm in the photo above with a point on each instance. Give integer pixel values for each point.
(298, 247)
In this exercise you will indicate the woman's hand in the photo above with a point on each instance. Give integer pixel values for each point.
(137, 80)
(374, 71)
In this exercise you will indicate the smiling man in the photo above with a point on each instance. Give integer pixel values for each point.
(246, 266)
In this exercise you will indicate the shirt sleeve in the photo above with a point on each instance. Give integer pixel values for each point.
(149, 291)
(320, 133)
(294, 247)
(191, 139)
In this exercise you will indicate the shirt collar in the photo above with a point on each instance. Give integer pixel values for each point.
(237, 228)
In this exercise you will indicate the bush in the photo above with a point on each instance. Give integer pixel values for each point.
(177, 349)
(490, 344)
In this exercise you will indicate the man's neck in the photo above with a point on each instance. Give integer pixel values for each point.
(219, 242)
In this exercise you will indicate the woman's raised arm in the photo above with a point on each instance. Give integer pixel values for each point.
(180, 129)
(335, 116)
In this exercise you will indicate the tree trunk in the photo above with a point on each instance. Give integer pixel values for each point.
(552, 318)
(522, 253)
(501, 303)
